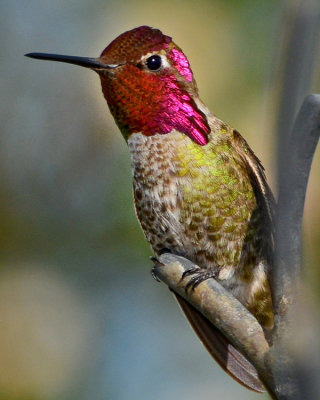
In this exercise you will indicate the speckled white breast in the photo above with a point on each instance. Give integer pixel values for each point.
(156, 193)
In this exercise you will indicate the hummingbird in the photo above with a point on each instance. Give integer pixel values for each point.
(199, 190)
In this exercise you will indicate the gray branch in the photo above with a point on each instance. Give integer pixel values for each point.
(215, 302)
(299, 61)
(292, 317)
(222, 309)
(281, 367)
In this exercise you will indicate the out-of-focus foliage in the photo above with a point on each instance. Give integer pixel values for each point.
(80, 316)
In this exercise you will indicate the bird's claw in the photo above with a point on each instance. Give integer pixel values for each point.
(200, 275)
(155, 260)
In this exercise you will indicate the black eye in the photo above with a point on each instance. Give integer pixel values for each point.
(154, 63)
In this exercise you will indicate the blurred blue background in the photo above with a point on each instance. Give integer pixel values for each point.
(80, 315)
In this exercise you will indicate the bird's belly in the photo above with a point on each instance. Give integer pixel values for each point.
(159, 216)
(169, 223)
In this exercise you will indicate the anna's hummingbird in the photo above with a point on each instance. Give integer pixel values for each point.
(199, 190)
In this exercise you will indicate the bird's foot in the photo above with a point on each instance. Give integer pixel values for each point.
(199, 275)
(155, 261)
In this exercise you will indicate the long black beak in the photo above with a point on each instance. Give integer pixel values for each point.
(93, 63)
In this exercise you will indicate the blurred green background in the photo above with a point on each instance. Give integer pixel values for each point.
(80, 315)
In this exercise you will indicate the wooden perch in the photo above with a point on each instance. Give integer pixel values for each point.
(279, 366)
(215, 302)
(219, 306)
